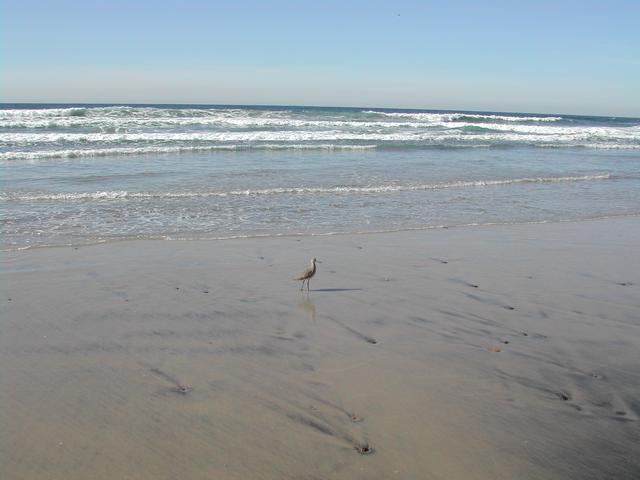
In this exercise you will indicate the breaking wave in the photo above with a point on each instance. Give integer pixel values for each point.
(103, 152)
(86, 131)
(453, 117)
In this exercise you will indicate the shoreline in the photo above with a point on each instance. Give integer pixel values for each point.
(256, 236)
(502, 352)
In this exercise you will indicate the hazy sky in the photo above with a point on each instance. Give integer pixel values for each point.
(559, 56)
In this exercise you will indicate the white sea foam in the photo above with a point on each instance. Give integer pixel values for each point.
(451, 117)
(506, 134)
(162, 150)
(340, 189)
(108, 123)
(84, 131)
(421, 173)
(120, 111)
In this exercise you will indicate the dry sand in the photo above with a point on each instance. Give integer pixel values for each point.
(508, 352)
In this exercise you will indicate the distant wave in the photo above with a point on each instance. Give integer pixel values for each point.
(119, 112)
(451, 117)
(74, 132)
(107, 124)
(455, 132)
(102, 152)
(342, 189)
(116, 111)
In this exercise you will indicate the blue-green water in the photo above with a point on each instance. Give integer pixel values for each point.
(85, 173)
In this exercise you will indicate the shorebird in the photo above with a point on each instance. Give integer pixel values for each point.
(308, 273)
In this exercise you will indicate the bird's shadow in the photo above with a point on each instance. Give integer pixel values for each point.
(335, 289)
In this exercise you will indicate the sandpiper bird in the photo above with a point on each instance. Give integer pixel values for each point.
(308, 273)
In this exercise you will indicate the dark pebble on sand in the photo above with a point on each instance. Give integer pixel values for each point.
(205, 291)
(355, 418)
(372, 341)
(364, 449)
(509, 307)
(9, 299)
(564, 396)
(525, 334)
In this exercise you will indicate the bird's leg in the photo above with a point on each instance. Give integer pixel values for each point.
(302, 286)
(308, 284)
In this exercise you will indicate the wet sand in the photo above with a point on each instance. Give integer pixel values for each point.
(465, 353)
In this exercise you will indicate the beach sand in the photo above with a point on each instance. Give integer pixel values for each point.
(500, 352)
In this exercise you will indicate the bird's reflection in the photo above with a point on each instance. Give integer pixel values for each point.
(307, 305)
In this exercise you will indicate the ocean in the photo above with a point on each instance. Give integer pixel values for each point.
(79, 174)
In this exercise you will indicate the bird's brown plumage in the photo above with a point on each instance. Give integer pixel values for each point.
(308, 274)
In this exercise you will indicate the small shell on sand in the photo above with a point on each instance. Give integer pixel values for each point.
(495, 349)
